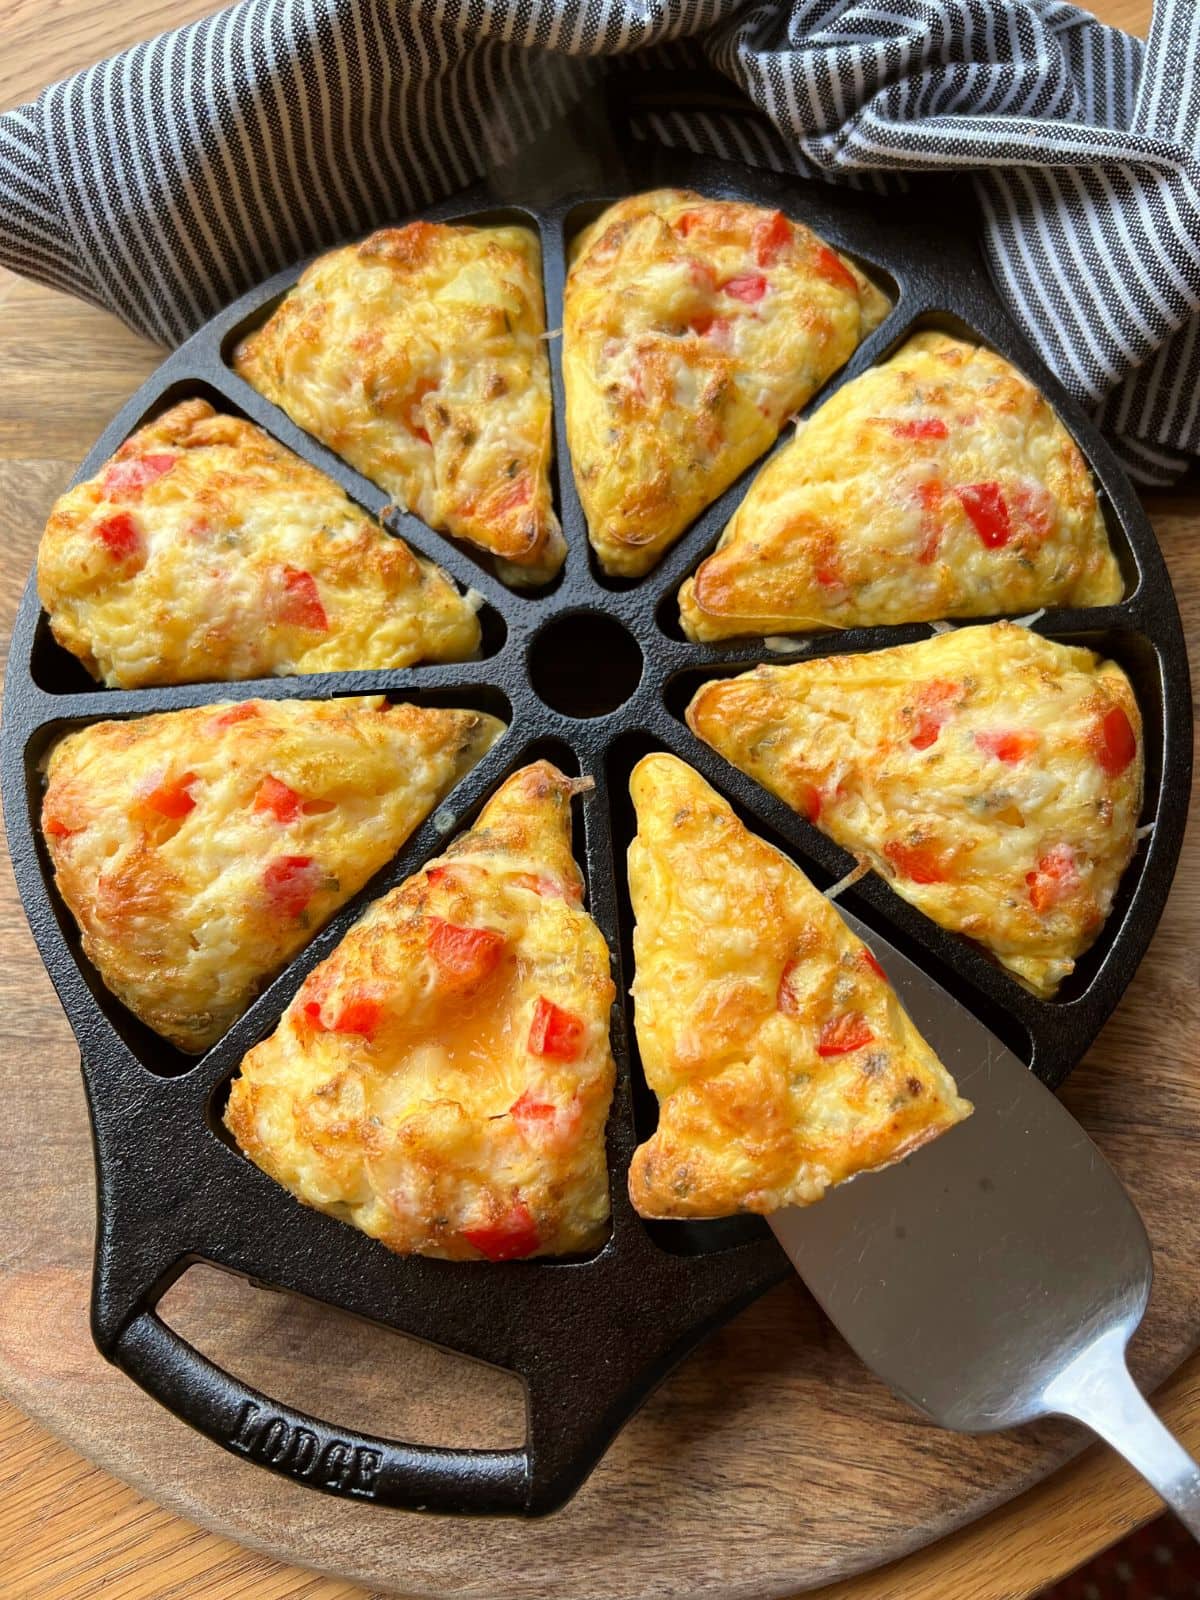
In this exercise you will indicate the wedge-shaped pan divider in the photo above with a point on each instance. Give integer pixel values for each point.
(590, 1337)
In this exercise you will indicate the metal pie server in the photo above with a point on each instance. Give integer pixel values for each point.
(997, 1274)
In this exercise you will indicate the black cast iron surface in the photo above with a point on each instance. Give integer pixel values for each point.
(592, 672)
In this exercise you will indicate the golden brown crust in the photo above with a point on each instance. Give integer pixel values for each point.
(203, 550)
(418, 355)
(937, 484)
(199, 850)
(447, 1092)
(781, 1057)
(692, 329)
(993, 777)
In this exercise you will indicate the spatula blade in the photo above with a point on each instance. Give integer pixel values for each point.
(971, 1273)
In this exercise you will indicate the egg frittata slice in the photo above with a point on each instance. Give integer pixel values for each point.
(419, 356)
(692, 329)
(199, 850)
(938, 484)
(203, 550)
(782, 1060)
(993, 777)
(442, 1081)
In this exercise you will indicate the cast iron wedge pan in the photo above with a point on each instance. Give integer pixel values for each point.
(591, 672)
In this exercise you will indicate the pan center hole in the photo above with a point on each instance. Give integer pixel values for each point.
(585, 664)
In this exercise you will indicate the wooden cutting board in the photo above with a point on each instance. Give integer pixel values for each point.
(768, 1463)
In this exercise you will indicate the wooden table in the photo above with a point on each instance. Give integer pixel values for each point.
(69, 1530)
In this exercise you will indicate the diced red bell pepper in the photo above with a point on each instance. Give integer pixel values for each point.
(119, 535)
(1054, 878)
(511, 1237)
(748, 287)
(868, 960)
(840, 1035)
(1114, 742)
(291, 882)
(829, 265)
(687, 222)
(57, 828)
(518, 494)
(231, 714)
(920, 862)
(464, 956)
(555, 1033)
(785, 996)
(931, 495)
(301, 601)
(553, 888)
(987, 508)
(171, 797)
(1007, 747)
(932, 709)
(360, 1014)
(132, 476)
(919, 428)
(770, 237)
(709, 326)
(528, 1110)
(277, 798)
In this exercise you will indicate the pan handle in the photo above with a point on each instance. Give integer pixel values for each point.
(338, 1461)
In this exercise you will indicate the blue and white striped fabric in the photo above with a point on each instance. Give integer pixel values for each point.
(166, 180)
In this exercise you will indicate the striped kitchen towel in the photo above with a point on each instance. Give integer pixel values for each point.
(166, 180)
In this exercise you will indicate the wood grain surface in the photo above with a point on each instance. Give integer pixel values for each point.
(768, 1460)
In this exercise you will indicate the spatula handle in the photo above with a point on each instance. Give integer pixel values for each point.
(1097, 1389)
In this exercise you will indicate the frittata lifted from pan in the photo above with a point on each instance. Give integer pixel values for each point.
(939, 484)
(199, 850)
(418, 355)
(993, 777)
(442, 1081)
(693, 328)
(782, 1060)
(206, 551)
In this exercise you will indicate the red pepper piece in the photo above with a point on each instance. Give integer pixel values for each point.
(1053, 879)
(919, 428)
(932, 709)
(57, 828)
(770, 237)
(931, 495)
(291, 882)
(171, 798)
(132, 476)
(231, 714)
(554, 1032)
(920, 862)
(868, 960)
(987, 508)
(119, 535)
(749, 287)
(464, 956)
(842, 1034)
(301, 603)
(509, 1238)
(1114, 742)
(277, 798)
(829, 265)
(1008, 747)
(530, 1111)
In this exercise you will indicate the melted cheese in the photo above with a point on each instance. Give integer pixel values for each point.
(692, 329)
(199, 850)
(204, 550)
(938, 484)
(781, 1057)
(444, 1119)
(993, 777)
(417, 355)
